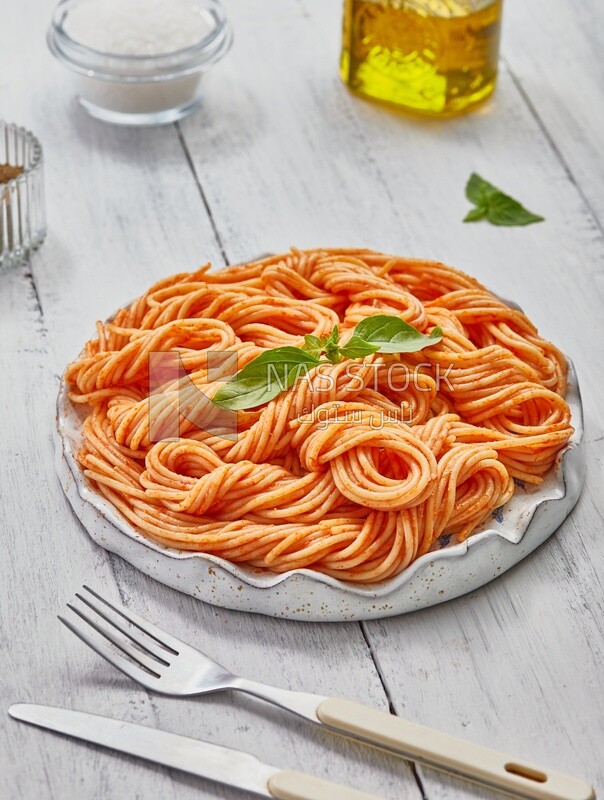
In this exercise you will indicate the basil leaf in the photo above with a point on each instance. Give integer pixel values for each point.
(504, 210)
(271, 373)
(327, 344)
(475, 214)
(498, 207)
(331, 346)
(394, 335)
(358, 348)
(313, 345)
(476, 188)
(333, 338)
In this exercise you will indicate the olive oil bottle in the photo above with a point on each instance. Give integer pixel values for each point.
(434, 56)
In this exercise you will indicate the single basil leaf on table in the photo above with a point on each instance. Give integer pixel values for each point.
(393, 335)
(475, 214)
(494, 205)
(504, 210)
(264, 378)
(477, 188)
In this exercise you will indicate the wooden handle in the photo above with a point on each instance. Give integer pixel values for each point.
(292, 785)
(457, 756)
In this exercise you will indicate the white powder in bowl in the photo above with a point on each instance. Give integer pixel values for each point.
(137, 27)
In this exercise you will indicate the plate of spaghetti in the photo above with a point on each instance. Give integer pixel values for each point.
(323, 434)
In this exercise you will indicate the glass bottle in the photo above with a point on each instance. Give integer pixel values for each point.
(433, 56)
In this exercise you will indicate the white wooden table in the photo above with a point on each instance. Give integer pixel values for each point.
(281, 154)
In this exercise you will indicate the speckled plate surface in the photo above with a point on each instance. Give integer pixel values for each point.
(514, 531)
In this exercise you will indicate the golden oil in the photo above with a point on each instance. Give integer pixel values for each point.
(434, 56)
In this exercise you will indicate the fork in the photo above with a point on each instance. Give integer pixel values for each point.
(167, 665)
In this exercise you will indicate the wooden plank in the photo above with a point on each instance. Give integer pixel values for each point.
(46, 556)
(124, 211)
(50, 555)
(554, 54)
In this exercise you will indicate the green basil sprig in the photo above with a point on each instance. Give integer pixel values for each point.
(495, 206)
(278, 369)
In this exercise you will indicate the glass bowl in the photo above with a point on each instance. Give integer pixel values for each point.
(140, 89)
(22, 211)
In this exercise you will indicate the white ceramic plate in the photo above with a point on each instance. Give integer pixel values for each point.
(525, 522)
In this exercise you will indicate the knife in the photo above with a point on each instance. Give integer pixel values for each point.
(211, 761)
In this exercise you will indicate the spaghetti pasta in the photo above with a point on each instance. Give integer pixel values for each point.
(361, 466)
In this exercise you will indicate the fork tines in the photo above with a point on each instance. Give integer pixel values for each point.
(140, 649)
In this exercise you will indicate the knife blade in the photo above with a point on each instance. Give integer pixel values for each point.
(211, 761)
